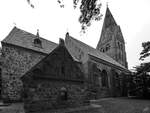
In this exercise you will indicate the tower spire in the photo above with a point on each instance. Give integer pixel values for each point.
(109, 19)
(111, 40)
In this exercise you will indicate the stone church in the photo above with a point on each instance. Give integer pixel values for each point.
(99, 68)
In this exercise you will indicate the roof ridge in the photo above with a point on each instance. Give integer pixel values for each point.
(100, 53)
(22, 38)
(81, 42)
(34, 35)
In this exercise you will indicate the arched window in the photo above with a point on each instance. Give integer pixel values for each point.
(104, 79)
(117, 80)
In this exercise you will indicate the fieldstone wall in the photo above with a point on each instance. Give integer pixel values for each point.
(44, 95)
(116, 78)
(95, 75)
(16, 62)
(55, 82)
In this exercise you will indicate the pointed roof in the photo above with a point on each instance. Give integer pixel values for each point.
(25, 39)
(109, 22)
(109, 19)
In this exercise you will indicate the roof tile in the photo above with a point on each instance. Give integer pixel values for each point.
(94, 52)
(25, 39)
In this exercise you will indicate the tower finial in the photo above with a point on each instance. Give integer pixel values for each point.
(37, 34)
(67, 33)
(107, 4)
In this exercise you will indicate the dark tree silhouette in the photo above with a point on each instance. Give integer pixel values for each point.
(90, 10)
(146, 50)
(142, 79)
(142, 75)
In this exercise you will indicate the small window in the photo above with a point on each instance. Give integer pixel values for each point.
(37, 43)
(102, 50)
(107, 47)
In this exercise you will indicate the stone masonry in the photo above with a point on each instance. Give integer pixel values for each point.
(16, 62)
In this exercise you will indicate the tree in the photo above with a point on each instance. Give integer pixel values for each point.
(146, 50)
(90, 10)
(142, 75)
(142, 79)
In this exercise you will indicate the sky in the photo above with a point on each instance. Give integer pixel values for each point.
(53, 22)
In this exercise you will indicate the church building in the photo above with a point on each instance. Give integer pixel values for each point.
(101, 69)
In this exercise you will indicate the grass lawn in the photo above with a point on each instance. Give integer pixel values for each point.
(106, 105)
(123, 105)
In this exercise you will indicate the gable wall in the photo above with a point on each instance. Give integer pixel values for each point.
(16, 61)
(59, 64)
(57, 70)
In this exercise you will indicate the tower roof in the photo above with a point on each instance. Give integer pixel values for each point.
(109, 22)
(109, 19)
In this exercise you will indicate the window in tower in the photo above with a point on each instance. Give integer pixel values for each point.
(119, 56)
(102, 50)
(118, 45)
(107, 47)
(121, 47)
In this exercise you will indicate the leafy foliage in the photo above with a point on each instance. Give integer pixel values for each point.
(143, 67)
(29, 2)
(141, 80)
(90, 10)
(146, 50)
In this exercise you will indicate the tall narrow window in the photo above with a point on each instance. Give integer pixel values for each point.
(104, 79)
(62, 70)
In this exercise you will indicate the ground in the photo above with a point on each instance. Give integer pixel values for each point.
(106, 105)
(11, 108)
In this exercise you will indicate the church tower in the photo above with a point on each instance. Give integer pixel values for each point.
(111, 40)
